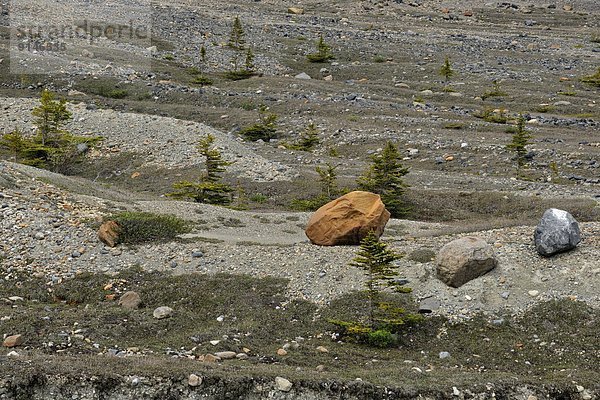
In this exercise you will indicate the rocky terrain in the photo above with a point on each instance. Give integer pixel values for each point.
(525, 330)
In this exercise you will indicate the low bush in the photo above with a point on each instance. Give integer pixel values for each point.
(140, 227)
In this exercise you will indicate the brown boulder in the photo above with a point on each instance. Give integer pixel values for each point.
(130, 300)
(348, 219)
(109, 233)
(13, 341)
(464, 259)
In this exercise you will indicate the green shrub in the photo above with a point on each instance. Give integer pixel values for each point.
(446, 70)
(495, 92)
(381, 338)
(453, 125)
(593, 80)
(140, 227)
(490, 115)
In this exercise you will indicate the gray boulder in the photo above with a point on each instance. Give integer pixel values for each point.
(463, 260)
(557, 232)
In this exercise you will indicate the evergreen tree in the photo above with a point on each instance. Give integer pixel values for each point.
(237, 39)
(385, 319)
(209, 189)
(203, 54)
(384, 177)
(328, 181)
(446, 71)
(50, 116)
(249, 62)
(265, 129)
(52, 146)
(376, 260)
(520, 140)
(309, 138)
(15, 143)
(323, 53)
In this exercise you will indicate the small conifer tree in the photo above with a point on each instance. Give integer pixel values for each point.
(309, 138)
(384, 318)
(265, 129)
(446, 71)
(203, 54)
(328, 181)
(520, 140)
(51, 147)
(209, 189)
(249, 62)
(237, 39)
(384, 177)
(50, 117)
(323, 53)
(15, 143)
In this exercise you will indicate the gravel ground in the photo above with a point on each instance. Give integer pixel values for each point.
(47, 231)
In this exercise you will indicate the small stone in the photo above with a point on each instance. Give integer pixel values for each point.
(16, 298)
(194, 380)
(455, 391)
(281, 352)
(505, 295)
(226, 355)
(13, 341)
(241, 356)
(283, 384)
(40, 235)
(209, 358)
(215, 342)
(532, 397)
(444, 354)
(429, 305)
(320, 368)
(322, 349)
(162, 312)
(197, 254)
(303, 75)
(13, 354)
(295, 10)
(130, 300)
(533, 293)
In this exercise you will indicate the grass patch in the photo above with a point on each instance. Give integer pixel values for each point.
(453, 125)
(556, 338)
(491, 208)
(140, 227)
(593, 79)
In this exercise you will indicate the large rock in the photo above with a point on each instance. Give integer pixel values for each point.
(558, 231)
(130, 300)
(463, 260)
(109, 233)
(348, 219)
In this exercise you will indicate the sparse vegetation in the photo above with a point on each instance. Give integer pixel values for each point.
(265, 129)
(496, 116)
(520, 140)
(142, 227)
(446, 70)
(52, 147)
(309, 138)
(237, 43)
(329, 190)
(384, 177)
(495, 92)
(323, 53)
(209, 189)
(593, 79)
(385, 319)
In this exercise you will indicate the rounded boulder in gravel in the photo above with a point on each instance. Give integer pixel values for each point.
(464, 259)
(348, 219)
(557, 232)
